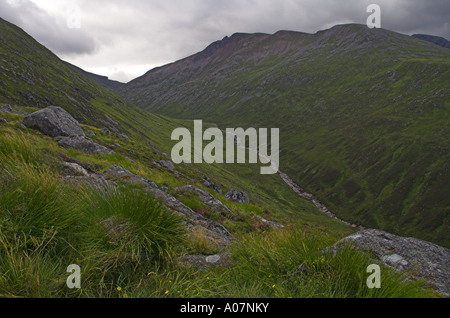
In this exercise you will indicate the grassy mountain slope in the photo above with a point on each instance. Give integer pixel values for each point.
(32, 77)
(101, 80)
(363, 116)
(47, 223)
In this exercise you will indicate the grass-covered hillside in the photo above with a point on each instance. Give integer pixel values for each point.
(61, 206)
(363, 116)
(129, 244)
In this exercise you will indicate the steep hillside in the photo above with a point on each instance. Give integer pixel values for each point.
(33, 76)
(363, 116)
(101, 80)
(137, 226)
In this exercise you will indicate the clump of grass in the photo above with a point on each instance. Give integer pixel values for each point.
(198, 243)
(129, 231)
(15, 145)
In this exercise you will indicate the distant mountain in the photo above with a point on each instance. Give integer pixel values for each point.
(99, 79)
(364, 116)
(433, 39)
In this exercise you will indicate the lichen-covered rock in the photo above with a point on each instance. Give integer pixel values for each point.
(76, 169)
(117, 172)
(54, 122)
(425, 260)
(167, 164)
(238, 196)
(214, 231)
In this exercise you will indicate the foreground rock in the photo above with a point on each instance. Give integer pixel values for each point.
(84, 144)
(167, 164)
(117, 172)
(54, 122)
(423, 259)
(206, 198)
(237, 196)
(74, 169)
(215, 232)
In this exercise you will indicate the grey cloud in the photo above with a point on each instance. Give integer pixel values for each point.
(52, 31)
(134, 33)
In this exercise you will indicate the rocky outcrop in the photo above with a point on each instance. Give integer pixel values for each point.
(237, 196)
(214, 231)
(423, 259)
(74, 169)
(207, 182)
(54, 122)
(117, 172)
(206, 198)
(84, 144)
(167, 164)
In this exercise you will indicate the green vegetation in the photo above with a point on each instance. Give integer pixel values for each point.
(128, 244)
(363, 116)
(126, 241)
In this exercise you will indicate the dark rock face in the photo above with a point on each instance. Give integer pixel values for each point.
(433, 39)
(425, 260)
(117, 172)
(84, 144)
(54, 122)
(238, 196)
(207, 182)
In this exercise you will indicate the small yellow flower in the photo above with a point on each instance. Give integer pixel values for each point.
(166, 293)
(273, 286)
(125, 296)
(119, 288)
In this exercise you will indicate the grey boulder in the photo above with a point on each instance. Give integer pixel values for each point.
(237, 196)
(54, 122)
(117, 172)
(423, 259)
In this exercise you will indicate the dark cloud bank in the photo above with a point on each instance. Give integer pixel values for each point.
(144, 34)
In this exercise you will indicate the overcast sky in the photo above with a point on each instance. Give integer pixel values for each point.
(123, 39)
